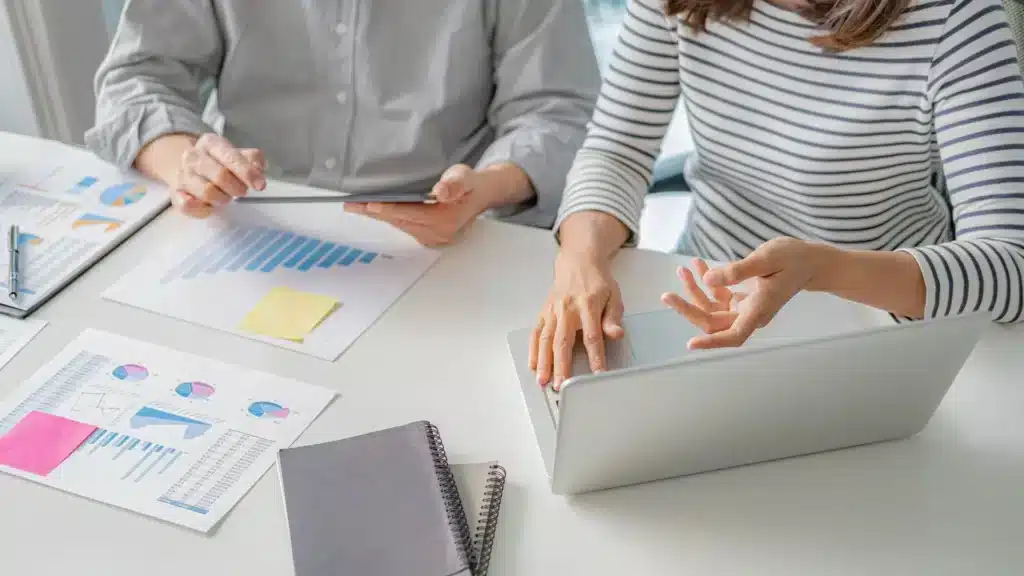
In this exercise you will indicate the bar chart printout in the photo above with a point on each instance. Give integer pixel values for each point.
(181, 459)
(364, 269)
(265, 251)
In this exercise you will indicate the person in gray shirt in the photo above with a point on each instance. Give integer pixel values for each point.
(483, 102)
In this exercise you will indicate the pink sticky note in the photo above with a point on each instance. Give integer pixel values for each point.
(40, 442)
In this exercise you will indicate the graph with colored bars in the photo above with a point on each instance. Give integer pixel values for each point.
(216, 471)
(82, 185)
(132, 459)
(264, 250)
(91, 219)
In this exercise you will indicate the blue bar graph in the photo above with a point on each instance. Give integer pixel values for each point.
(283, 254)
(266, 254)
(333, 257)
(133, 459)
(253, 249)
(229, 252)
(264, 250)
(351, 257)
(303, 252)
(316, 256)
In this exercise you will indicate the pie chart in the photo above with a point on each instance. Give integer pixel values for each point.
(123, 194)
(268, 410)
(131, 373)
(197, 390)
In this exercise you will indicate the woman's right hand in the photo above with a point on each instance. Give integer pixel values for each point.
(584, 297)
(203, 173)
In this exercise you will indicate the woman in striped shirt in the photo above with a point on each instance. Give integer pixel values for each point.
(873, 149)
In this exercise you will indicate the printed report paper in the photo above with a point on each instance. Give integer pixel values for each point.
(178, 437)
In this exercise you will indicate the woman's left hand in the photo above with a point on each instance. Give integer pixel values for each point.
(779, 268)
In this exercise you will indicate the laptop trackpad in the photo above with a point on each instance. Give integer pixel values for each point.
(658, 337)
(651, 338)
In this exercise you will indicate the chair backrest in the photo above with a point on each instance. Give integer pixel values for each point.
(1015, 12)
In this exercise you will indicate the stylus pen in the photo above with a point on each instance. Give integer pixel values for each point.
(14, 252)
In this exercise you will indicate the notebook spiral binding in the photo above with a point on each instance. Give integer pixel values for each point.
(450, 494)
(487, 524)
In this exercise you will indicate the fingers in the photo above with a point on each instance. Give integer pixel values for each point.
(709, 322)
(693, 291)
(735, 335)
(758, 310)
(245, 170)
(204, 190)
(455, 183)
(255, 156)
(721, 294)
(535, 343)
(437, 225)
(211, 170)
(593, 336)
(189, 205)
(753, 266)
(416, 213)
(611, 324)
(564, 342)
(545, 349)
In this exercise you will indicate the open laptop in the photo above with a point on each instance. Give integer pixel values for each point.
(661, 412)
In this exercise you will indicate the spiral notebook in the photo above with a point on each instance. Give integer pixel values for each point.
(388, 503)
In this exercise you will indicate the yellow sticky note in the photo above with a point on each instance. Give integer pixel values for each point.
(288, 314)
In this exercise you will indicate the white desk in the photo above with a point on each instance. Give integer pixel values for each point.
(950, 501)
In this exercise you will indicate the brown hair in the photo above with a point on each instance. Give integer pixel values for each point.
(849, 23)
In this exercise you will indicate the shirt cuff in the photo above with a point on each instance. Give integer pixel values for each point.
(544, 165)
(937, 301)
(120, 139)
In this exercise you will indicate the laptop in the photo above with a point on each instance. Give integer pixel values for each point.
(661, 411)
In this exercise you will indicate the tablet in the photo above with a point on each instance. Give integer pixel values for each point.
(362, 197)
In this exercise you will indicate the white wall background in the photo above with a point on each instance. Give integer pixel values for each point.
(49, 51)
(16, 110)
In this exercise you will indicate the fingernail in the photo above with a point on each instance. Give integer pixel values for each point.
(261, 183)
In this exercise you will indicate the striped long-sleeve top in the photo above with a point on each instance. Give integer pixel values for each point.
(841, 148)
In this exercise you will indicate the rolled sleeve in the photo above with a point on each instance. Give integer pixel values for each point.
(546, 83)
(119, 139)
(149, 84)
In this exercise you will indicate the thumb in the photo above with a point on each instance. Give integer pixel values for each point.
(611, 324)
(753, 266)
(255, 155)
(455, 183)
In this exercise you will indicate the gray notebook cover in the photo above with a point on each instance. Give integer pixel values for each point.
(371, 505)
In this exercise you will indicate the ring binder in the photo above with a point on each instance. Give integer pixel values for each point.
(487, 523)
(457, 520)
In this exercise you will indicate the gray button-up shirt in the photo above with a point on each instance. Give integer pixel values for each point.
(358, 95)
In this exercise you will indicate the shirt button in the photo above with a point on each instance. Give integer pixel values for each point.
(330, 163)
(341, 28)
(342, 97)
